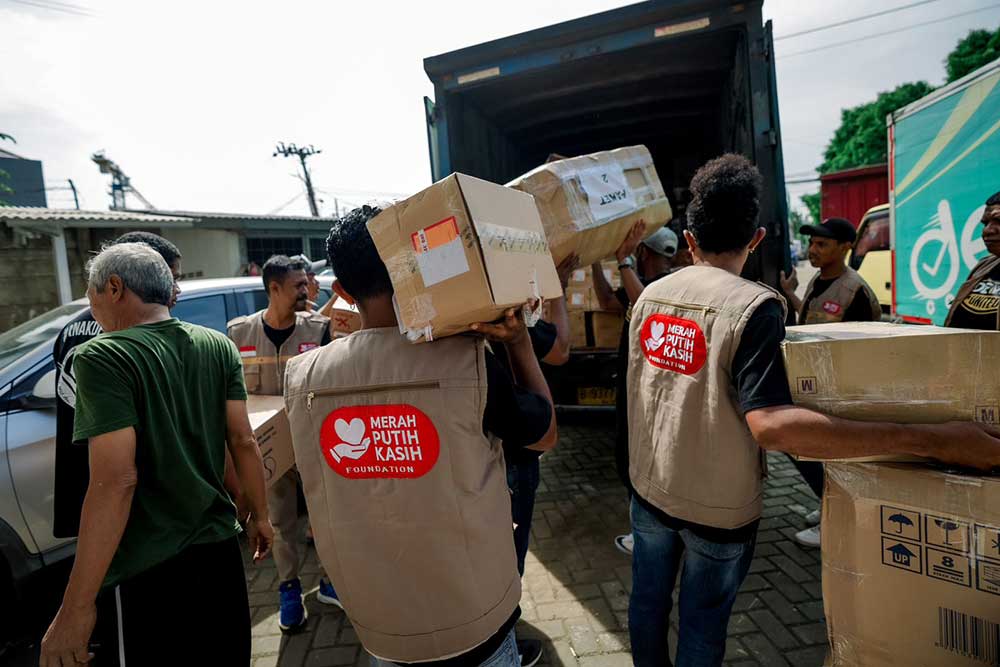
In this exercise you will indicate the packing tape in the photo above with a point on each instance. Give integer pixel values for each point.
(403, 263)
(511, 239)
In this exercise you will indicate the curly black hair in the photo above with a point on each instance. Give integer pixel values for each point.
(994, 200)
(168, 251)
(725, 203)
(353, 256)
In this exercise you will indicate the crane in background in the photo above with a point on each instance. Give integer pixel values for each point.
(121, 184)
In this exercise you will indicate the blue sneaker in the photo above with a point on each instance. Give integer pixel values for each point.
(293, 612)
(327, 595)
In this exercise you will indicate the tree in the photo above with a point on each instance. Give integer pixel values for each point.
(860, 140)
(978, 48)
(812, 202)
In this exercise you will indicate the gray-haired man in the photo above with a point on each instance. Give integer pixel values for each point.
(158, 400)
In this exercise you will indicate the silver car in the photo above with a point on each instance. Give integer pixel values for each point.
(28, 422)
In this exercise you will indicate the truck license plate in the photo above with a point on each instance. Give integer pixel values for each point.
(595, 395)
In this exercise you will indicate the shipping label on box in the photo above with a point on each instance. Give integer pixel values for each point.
(876, 371)
(911, 566)
(273, 433)
(463, 251)
(589, 203)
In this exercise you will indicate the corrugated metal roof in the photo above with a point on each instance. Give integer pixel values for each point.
(73, 218)
(201, 215)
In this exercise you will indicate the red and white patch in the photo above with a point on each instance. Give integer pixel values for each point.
(673, 344)
(379, 442)
(305, 347)
(831, 307)
(249, 351)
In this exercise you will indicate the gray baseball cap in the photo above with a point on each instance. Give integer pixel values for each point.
(662, 242)
(310, 266)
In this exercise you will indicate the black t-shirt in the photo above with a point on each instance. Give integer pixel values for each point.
(72, 466)
(981, 309)
(543, 338)
(758, 375)
(279, 336)
(860, 309)
(520, 418)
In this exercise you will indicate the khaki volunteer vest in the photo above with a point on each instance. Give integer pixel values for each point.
(691, 453)
(263, 365)
(980, 271)
(833, 302)
(408, 499)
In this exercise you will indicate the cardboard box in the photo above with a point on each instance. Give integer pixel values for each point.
(577, 328)
(344, 317)
(607, 328)
(583, 276)
(911, 566)
(463, 251)
(274, 435)
(589, 203)
(877, 371)
(580, 298)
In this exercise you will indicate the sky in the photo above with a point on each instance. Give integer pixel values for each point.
(189, 97)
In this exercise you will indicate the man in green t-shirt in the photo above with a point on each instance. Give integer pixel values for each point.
(158, 401)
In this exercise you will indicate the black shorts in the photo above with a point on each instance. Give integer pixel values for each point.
(194, 604)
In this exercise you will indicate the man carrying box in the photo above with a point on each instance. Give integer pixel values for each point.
(708, 395)
(652, 260)
(267, 340)
(399, 448)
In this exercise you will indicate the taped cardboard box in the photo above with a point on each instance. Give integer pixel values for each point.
(580, 298)
(344, 317)
(273, 433)
(583, 277)
(577, 328)
(875, 371)
(589, 203)
(911, 566)
(463, 251)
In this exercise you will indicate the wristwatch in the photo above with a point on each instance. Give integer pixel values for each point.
(627, 263)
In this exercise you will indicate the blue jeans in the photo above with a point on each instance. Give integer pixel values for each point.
(522, 480)
(712, 575)
(505, 656)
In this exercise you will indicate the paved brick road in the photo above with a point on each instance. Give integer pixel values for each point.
(576, 583)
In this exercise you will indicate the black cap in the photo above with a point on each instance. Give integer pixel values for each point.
(837, 229)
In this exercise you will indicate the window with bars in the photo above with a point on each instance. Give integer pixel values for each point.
(262, 248)
(317, 249)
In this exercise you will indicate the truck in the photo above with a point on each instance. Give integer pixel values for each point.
(850, 193)
(944, 162)
(689, 79)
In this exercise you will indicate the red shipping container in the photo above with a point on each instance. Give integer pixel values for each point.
(850, 193)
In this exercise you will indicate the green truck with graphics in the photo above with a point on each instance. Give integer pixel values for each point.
(944, 162)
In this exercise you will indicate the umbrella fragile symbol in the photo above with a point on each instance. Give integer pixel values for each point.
(947, 527)
(900, 520)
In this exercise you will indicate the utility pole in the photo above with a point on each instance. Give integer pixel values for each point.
(302, 153)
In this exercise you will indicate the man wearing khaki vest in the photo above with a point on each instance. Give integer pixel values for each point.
(267, 340)
(977, 304)
(707, 394)
(836, 293)
(400, 451)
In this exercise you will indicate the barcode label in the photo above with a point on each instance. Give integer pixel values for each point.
(970, 636)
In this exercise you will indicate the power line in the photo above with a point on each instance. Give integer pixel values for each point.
(888, 32)
(856, 19)
(288, 203)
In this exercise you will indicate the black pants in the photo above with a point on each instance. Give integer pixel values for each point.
(194, 604)
(812, 473)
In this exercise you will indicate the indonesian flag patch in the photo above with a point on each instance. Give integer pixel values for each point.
(249, 351)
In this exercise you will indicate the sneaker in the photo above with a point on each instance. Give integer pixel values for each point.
(327, 595)
(293, 612)
(808, 537)
(813, 518)
(530, 651)
(625, 543)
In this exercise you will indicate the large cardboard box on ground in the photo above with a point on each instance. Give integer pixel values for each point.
(911, 566)
(589, 203)
(274, 435)
(463, 251)
(606, 328)
(878, 371)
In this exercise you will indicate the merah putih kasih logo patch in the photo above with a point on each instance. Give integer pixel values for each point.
(305, 347)
(831, 307)
(673, 344)
(379, 441)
